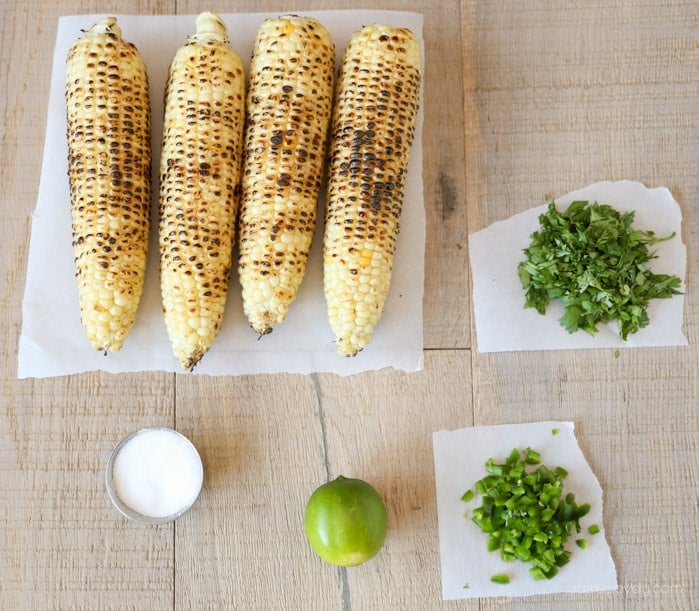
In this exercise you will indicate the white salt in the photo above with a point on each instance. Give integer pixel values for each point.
(157, 473)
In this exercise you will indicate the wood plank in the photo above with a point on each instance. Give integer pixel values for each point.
(568, 95)
(379, 428)
(446, 319)
(269, 441)
(279, 562)
(62, 544)
(599, 93)
(242, 545)
(446, 175)
(639, 435)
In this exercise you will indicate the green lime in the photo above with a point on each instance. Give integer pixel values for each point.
(346, 521)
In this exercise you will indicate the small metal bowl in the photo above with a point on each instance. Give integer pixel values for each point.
(125, 509)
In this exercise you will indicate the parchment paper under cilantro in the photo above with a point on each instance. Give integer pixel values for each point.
(595, 261)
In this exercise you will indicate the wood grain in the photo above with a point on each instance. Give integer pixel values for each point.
(523, 102)
(261, 441)
(379, 415)
(566, 97)
(562, 98)
(269, 442)
(62, 545)
(445, 318)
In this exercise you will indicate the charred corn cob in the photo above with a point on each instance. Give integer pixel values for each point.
(372, 131)
(288, 112)
(199, 186)
(109, 160)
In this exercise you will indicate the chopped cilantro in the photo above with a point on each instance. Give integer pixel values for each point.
(593, 260)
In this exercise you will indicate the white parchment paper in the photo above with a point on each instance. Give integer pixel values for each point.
(52, 340)
(467, 565)
(502, 322)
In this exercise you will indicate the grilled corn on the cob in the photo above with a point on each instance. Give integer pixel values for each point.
(372, 131)
(109, 160)
(199, 185)
(288, 112)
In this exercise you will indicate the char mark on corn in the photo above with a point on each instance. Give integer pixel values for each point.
(199, 186)
(109, 162)
(289, 103)
(373, 125)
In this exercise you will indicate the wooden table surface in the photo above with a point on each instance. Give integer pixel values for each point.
(523, 101)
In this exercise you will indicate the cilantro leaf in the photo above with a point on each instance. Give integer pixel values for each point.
(595, 261)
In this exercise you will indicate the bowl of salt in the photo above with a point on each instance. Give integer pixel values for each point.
(154, 475)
